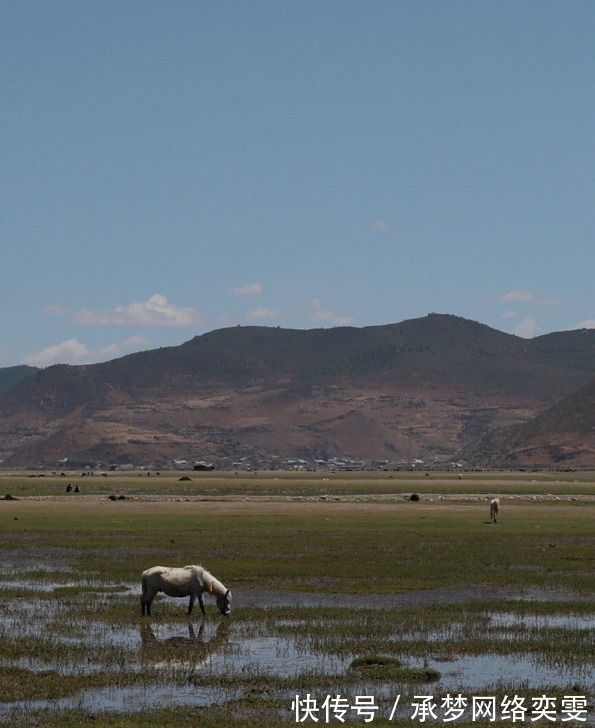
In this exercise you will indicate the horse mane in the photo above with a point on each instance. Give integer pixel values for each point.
(199, 568)
(196, 566)
(208, 578)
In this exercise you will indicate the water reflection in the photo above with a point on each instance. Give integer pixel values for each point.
(196, 648)
(542, 621)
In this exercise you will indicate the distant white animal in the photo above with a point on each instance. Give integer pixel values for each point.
(494, 508)
(186, 581)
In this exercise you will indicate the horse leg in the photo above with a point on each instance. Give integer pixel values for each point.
(145, 602)
(145, 607)
(201, 601)
(191, 603)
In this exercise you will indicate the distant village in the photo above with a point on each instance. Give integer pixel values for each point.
(288, 464)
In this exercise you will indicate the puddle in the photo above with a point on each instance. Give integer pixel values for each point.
(45, 586)
(542, 621)
(120, 700)
(475, 673)
(269, 598)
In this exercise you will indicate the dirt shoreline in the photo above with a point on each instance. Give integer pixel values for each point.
(246, 505)
(360, 498)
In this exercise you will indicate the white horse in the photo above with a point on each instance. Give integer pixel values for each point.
(192, 581)
(494, 508)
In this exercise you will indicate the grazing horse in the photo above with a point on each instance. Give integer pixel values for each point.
(192, 581)
(494, 507)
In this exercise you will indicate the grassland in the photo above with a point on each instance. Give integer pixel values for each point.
(305, 483)
(430, 581)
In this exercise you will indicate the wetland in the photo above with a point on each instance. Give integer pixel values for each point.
(341, 587)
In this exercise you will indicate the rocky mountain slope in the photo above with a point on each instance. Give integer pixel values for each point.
(563, 436)
(427, 388)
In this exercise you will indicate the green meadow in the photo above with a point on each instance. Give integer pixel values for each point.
(352, 587)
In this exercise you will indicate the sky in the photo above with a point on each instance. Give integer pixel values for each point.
(169, 168)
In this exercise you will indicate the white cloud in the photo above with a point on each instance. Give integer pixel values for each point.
(134, 343)
(250, 289)
(157, 311)
(517, 296)
(527, 328)
(529, 297)
(526, 301)
(68, 352)
(75, 352)
(588, 324)
(265, 314)
(317, 311)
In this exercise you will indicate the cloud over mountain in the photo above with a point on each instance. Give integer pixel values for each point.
(157, 311)
(74, 351)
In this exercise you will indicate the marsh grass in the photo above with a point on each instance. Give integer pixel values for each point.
(70, 623)
(22, 684)
(436, 632)
(406, 548)
(254, 715)
(389, 670)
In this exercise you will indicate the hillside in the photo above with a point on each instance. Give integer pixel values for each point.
(563, 436)
(9, 376)
(428, 387)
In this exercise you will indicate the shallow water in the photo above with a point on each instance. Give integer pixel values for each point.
(121, 699)
(229, 648)
(269, 598)
(477, 672)
(542, 621)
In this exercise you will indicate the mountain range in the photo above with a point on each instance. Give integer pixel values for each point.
(435, 388)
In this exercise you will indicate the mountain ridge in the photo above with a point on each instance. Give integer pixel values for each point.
(431, 387)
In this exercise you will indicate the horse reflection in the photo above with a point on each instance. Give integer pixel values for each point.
(194, 650)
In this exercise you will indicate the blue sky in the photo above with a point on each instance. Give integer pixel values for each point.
(169, 168)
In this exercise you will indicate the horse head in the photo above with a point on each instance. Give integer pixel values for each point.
(224, 603)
